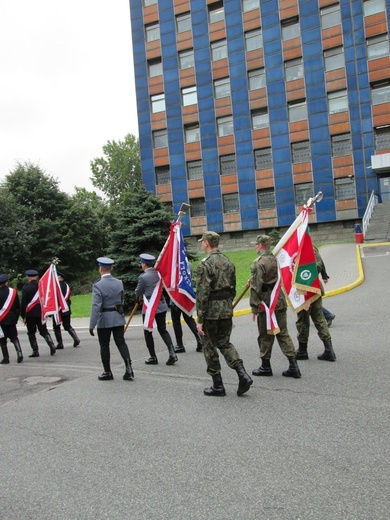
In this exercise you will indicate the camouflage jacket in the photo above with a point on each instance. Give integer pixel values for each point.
(216, 287)
(320, 267)
(264, 275)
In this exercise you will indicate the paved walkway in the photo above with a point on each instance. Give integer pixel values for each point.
(343, 265)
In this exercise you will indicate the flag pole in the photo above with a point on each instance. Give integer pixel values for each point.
(241, 295)
(182, 211)
(131, 316)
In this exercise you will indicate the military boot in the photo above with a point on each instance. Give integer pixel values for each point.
(244, 380)
(129, 374)
(217, 389)
(301, 353)
(73, 335)
(179, 349)
(264, 370)
(49, 341)
(328, 354)
(34, 346)
(293, 369)
(172, 355)
(4, 350)
(18, 349)
(58, 335)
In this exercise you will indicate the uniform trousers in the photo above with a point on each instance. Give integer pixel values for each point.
(316, 314)
(217, 337)
(10, 332)
(104, 335)
(176, 313)
(162, 330)
(266, 341)
(65, 322)
(33, 324)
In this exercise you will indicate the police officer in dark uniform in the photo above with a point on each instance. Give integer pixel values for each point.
(31, 314)
(65, 316)
(216, 288)
(147, 281)
(9, 315)
(107, 315)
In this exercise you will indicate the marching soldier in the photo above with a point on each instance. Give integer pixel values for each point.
(264, 275)
(216, 288)
(107, 315)
(9, 315)
(31, 314)
(65, 316)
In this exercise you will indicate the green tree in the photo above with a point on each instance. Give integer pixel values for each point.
(119, 171)
(38, 205)
(141, 226)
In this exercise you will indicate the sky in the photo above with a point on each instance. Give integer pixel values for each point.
(66, 85)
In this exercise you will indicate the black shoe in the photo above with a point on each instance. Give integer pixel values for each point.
(330, 319)
(20, 359)
(199, 348)
(34, 354)
(262, 372)
(128, 376)
(59, 347)
(106, 376)
(4, 362)
(52, 351)
(179, 349)
(171, 360)
(217, 392)
(151, 361)
(76, 342)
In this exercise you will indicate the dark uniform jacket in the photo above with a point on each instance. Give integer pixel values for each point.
(264, 275)
(13, 315)
(28, 292)
(216, 287)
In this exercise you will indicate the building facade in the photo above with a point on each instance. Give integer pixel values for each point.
(246, 108)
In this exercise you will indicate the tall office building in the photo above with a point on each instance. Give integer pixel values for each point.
(246, 108)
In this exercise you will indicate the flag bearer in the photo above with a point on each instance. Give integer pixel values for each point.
(31, 314)
(264, 275)
(65, 316)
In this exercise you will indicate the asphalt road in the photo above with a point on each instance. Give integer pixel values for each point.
(316, 448)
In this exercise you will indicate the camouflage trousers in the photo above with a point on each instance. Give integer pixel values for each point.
(316, 314)
(266, 341)
(217, 337)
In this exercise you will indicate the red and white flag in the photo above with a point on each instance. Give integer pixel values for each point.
(297, 263)
(50, 295)
(174, 268)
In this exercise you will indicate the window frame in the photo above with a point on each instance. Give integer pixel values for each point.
(381, 142)
(218, 47)
(152, 32)
(194, 170)
(219, 92)
(292, 65)
(183, 22)
(341, 144)
(254, 76)
(198, 206)
(161, 135)
(266, 198)
(290, 28)
(344, 188)
(300, 152)
(253, 40)
(381, 42)
(334, 98)
(154, 63)
(228, 164)
(191, 129)
(263, 115)
(371, 7)
(334, 59)
(225, 123)
(159, 171)
(300, 190)
(380, 90)
(263, 158)
(183, 55)
(296, 107)
(189, 96)
(328, 14)
(250, 5)
(216, 12)
(157, 100)
(233, 200)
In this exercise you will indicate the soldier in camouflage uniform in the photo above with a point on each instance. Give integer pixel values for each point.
(264, 275)
(216, 288)
(316, 314)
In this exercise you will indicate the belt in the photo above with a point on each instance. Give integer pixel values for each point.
(110, 309)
